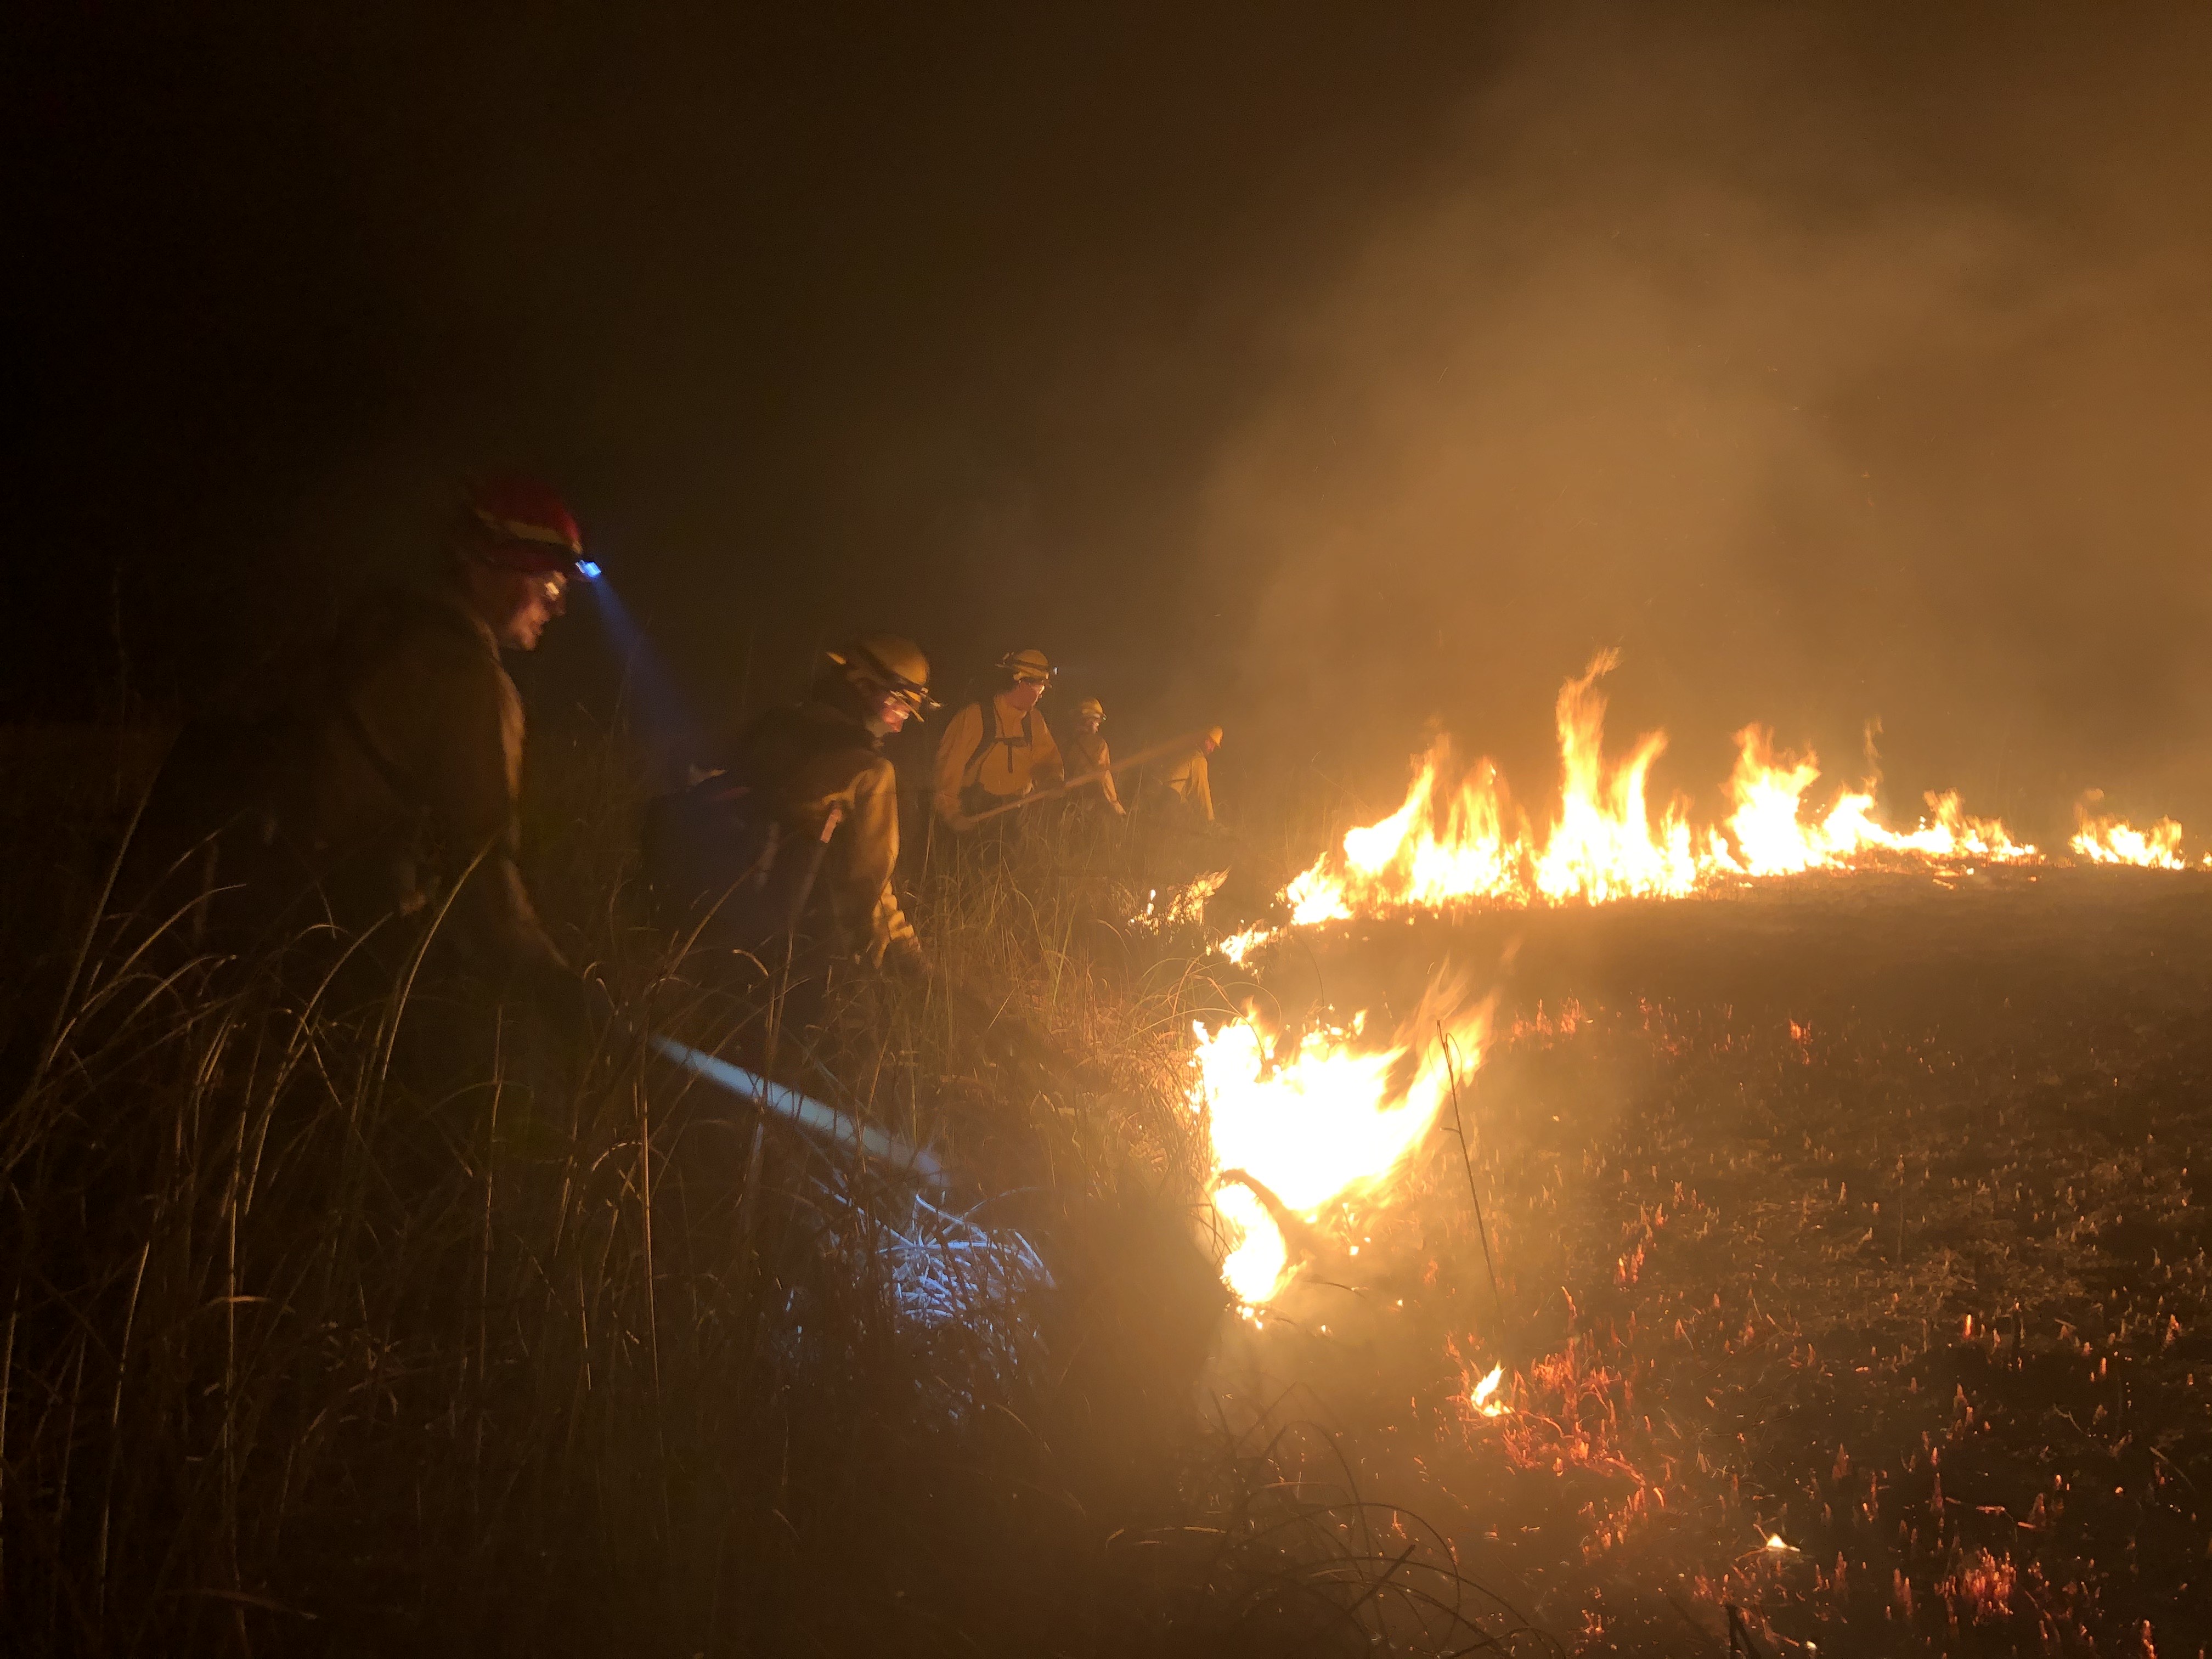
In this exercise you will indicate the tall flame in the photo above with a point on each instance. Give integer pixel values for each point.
(1603, 847)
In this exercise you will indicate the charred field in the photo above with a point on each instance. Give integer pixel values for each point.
(1851, 1291)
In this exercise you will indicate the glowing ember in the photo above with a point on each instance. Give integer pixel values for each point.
(1459, 844)
(1328, 1122)
(2114, 840)
(1486, 1392)
(1776, 1546)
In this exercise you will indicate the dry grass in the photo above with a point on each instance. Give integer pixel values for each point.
(347, 1314)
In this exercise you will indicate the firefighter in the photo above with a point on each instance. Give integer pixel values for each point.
(996, 751)
(1187, 779)
(1088, 753)
(804, 818)
(396, 792)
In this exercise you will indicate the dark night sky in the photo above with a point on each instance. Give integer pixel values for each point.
(1316, 368)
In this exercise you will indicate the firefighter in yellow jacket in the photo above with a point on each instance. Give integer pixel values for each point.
(995, 752)
(1186, 779)
(819, 773)
(1090, 756)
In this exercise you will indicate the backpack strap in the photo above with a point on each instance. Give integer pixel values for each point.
(971, 772)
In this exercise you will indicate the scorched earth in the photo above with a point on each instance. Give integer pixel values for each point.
(1848, 1269)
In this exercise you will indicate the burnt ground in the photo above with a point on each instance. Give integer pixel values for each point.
(1855, 1210)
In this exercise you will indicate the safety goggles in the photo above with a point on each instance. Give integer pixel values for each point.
(915, 699)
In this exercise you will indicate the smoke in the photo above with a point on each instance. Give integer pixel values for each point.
(1310, 370)
(1831, 369)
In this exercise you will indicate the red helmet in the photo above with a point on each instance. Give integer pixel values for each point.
(521, 524)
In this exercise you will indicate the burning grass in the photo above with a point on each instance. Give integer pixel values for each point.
(1457, 840)
(1850, 1272)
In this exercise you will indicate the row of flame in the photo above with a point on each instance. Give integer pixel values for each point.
(1302, 1129)
(1449, 845)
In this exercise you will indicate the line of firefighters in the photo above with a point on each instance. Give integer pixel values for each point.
(996, 752)
(392, 787)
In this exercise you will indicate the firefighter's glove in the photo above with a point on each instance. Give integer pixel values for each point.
(903, 960)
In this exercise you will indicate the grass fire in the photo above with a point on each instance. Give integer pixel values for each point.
(1235, 832)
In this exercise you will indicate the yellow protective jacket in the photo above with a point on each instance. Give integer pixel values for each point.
(976, 771)
(1089, 753)
(1193, 788)
(406, 784)
(834, 789)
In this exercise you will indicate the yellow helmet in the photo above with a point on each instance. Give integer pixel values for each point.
(1031, 665)
(1092, 706)
(888, 663)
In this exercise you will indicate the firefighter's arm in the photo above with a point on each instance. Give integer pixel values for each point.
(863, 857)
(962, 735)
(1201, 779)
(1106, 784)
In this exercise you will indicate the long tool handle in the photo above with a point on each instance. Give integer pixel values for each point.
(1173, 745)
(824, 1122)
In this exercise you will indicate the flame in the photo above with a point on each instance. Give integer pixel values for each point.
(1329, 1122)
(1772, 839)
(1484, 1397)
(1258, 1262)
(1435, 850)
(1181, 906)
(1239, 947)
(1603, 847)
(2115, 841)
(1457, 843)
